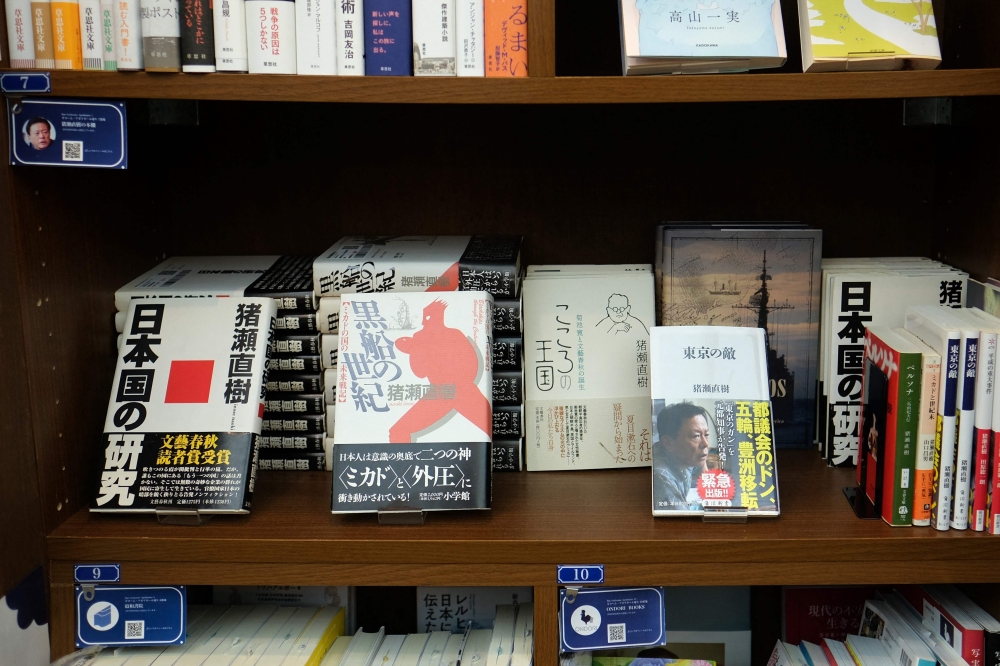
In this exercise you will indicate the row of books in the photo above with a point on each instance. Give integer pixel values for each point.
(318, 37)
(912, 625)
(670, 37)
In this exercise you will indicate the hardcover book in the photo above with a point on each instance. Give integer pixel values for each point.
(434, 42)
(388, 38)
(890, 417)
(669, 36)
(350, 37)
(713, 440)
(161, 35)
(197, 36)
(230, 20)
(271, 36)
(852, 35)
(315, 33)
(762, 278)
(587, 364)
(414, 367)
(506, 37)
(186, 401)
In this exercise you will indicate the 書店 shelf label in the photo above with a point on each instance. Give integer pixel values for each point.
(13, 83)
(579, 574)
(602, 618)
(65, 132)
(130, 615)
(97, 573)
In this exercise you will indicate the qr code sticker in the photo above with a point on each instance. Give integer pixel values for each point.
(616, 633)
(72, 151)
(136, 629)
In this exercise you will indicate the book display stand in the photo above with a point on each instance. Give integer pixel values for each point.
(580, 161)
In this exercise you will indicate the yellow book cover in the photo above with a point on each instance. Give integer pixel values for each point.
(66, 34)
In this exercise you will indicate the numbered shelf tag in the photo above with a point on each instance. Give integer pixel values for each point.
(97, 573)
(130, 615)
(25, 83)
(611, 617)
(579, 574)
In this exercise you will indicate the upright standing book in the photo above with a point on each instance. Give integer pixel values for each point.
(713, 440)
(184, 418)
(161, 35)
(20, 39)
(587, 366)
(670, 36)
(271, 36)
(388, 38)
(128, 35)
(434, 43)
(66, 34)
(91, 34)
(505, 26)
(41, 18)
(470, 37)
(108, 35)
(315, 33)
(197, 36)
(230, 35)
(350, 18)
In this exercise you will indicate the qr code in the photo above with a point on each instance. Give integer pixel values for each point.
(616, 633)
(72, 151)
(136, 629)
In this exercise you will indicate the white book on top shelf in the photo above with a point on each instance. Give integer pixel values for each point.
(20, 37)
(271, 36)
(128, 35)
(91, 34)
(434, 34)
(230, 18)
(471, 51)
(350, 39)
(315, 37)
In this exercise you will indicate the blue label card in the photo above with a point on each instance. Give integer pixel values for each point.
(136, 615)
(97, 573)
(579, 574)
(63, 132)
(25, 82)
(611, 617)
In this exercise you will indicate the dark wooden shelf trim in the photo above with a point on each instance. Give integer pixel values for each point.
(544, 519)
(532, 90)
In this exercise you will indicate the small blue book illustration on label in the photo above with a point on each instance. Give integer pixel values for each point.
(102, 618)
(388, 38)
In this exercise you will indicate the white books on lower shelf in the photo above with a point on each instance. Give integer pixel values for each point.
(588, 336)
(199, 650)
(317, 637)
(255, 646)
(524, 631)
(336, 653)
(230, 21)
(350, 39)
(453, 650)
(196, 629)
(271, 36)
(281, 645)
(434, 648)
(434, 35)
(315, 37)
(229, 649)
(412, 649)
(470, 38)
(362, 649)
(386, 653)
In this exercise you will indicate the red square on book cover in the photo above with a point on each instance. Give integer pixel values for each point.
(189, 381)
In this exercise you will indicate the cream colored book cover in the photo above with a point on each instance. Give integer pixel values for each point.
(586, 341)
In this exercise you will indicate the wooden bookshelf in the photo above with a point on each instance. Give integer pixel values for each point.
(532, 90)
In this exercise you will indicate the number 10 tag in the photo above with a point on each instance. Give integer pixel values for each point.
(579, 574)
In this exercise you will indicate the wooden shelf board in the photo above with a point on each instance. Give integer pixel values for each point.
(544, 519)
(532, 90)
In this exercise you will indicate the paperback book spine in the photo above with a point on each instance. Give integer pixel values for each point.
(469, 24)
(508, 421)
(506, 28)
(508, 388)
(507, 317)
(297, 323)
(923, 482)
(328, 315)
(507, 455)
(330, 351)
(291, 462)
(128, 35)
(294, 382)
(197, 36)
(434, 37)
(982, 436)
(91, 34)
(965, 427)
(295, 345)
(944, 438)
(66, 34)
(316, 31)
(491, 264)
(507, 354)
(993, 502)
(230, 21)
(309, 364)
(108, 36)
(388, 38)
(161, 35)
(282, 423)
(350, 37)
(20, 38)
(295, 404)
(304, 443)
(41, 18)
(271, 36)
(897, 507)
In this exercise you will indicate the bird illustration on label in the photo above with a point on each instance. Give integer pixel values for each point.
(448, 360)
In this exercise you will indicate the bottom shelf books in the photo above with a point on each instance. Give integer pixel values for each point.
(268, 635)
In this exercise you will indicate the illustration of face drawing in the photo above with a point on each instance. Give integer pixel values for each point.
(618, 308)
(620, 319)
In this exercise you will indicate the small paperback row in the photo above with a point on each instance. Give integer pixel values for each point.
(930, 435)
(319, 37)
(918, 626)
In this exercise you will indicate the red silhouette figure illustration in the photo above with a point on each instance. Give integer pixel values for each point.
(449, 361)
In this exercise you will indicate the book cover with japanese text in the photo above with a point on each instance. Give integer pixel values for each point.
(388, 38)
(161, 35)
(506, 37)
(271, 36)
(230, 21)
(434, 43)
(186, 406)
(20, 36)
(414, 367)
(587, 368)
